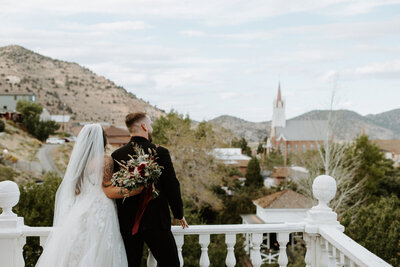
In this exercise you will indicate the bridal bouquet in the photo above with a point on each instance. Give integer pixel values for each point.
(140, 170)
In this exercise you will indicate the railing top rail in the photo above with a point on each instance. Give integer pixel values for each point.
(354, 251)
(239, 228)
(36, 231)
(204, 229)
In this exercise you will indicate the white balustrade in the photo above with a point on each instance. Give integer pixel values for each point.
(325, 242)
(204, 241)
(179, 240)
(230, 240)
(283, 239)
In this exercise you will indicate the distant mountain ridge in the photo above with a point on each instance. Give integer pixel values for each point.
(347, 124)
(87, 96)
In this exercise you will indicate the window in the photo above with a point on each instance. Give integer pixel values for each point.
(311, 147)
(281, 147)
(289, 149)
(296, 147)
(304, 148)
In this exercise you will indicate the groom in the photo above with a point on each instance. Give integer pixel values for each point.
(155, 224)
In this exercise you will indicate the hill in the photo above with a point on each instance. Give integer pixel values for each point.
(252, 131)
(346, 124)
(87, 96)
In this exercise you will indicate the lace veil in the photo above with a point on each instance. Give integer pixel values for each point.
(84, 171)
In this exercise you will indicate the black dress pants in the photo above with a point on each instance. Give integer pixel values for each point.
(161, 244)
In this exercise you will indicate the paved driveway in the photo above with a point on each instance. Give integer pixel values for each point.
(46, 160)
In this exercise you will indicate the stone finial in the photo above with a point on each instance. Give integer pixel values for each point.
(9, 197)
(324, 189)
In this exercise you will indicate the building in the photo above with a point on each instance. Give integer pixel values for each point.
(284, 206)
(8, 101)
(293, 136)
(391, 149)
(117, 136)
(232, 157)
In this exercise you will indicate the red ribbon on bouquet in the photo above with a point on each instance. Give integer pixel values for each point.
(145, 197)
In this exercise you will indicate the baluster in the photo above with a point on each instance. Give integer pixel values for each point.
(43, 240)
(323, 257)
(314, 250)
(230, 241)
(255, 254)
(307, 258)
(179, 240)
(331, 259)
(342, 262)
(283, 239)
(204, 241)
(352, 263)
(151, 261)
(336, 257)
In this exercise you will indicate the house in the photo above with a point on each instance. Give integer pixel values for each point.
(284, 206)
(232, 157)
(293, 136)
(391, 149)
(8, 101)
(8, 104)
(117, 136)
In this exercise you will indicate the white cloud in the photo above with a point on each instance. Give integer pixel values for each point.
(228, 95)
(211, 12)
(109, 26)
(379, 70)
(192, 33)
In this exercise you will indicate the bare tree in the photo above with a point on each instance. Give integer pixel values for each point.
(331, 160)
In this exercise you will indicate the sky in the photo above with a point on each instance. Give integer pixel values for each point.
(224, 57)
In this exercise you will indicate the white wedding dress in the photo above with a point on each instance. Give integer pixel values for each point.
(86, 229)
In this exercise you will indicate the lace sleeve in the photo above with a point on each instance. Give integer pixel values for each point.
(108, 171)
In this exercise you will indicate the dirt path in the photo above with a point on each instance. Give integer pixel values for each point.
(46, 160)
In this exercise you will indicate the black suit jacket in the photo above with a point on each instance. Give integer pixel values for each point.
(157, 215)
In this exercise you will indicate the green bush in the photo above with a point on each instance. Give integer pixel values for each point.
(377, 228)
(36, 205)
(6, 173)
(31, 120)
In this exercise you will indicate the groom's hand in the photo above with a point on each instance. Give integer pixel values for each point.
(182, 222)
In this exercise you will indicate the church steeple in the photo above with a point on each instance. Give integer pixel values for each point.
(279, 98)
(278, 112)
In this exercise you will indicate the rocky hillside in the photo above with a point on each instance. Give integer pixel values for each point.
(252, 131)
(389, 120)
(346, 124)
(87, 96)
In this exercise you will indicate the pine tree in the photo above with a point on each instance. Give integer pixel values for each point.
(253, 173)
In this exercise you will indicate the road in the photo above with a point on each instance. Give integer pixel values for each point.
(46, 160)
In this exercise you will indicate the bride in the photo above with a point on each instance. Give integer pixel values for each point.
(85, 229)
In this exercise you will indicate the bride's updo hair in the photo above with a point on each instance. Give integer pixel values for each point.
(132, 119)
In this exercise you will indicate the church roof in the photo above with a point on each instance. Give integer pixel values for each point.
(303, 130)
(286, 199)
(388, 145)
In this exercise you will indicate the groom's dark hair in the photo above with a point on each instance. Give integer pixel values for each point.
(132, 118)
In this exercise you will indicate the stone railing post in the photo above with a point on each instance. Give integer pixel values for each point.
(11, 226)
(324, 190)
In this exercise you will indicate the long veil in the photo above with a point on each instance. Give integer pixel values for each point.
(84, 171)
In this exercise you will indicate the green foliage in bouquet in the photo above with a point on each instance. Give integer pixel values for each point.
(140, 170)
